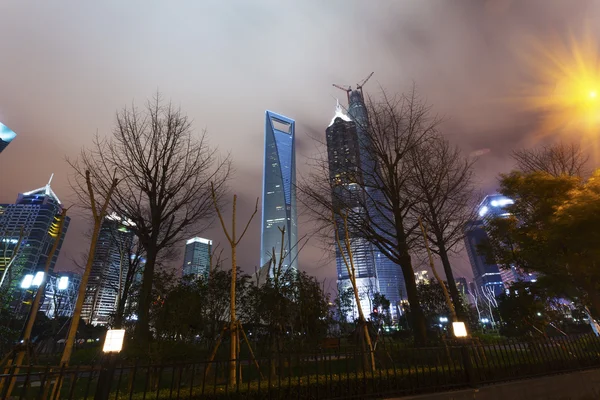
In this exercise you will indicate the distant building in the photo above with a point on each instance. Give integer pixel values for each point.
(37, 213)
(462, 286)
(6, 136)
(109, 269)
(196, 261)
(279, 192)
(60, 295)
(484, 273)
(422, 278)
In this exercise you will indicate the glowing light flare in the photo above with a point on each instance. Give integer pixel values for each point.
(565, 84)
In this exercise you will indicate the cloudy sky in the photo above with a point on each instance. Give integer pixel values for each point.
(66, 67)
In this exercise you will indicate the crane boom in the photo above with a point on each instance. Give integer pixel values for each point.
(360, 85)
(344, 88)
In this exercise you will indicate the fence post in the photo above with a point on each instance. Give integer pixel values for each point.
(468, 365)
(105, 378)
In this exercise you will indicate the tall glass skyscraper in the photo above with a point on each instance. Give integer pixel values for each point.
(37, 212)
(345, 174)
(196, 261)
(109, 269)
(350, 170)
(279, 192)
(6, 136)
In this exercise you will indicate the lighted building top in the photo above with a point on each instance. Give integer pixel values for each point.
(339, 113)
(44, 190)
(199, 240)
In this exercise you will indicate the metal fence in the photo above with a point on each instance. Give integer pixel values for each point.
(327, 374)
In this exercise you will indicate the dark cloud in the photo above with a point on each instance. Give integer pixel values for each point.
(66, 69)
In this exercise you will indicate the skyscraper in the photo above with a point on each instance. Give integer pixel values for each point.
(343, 153)
(6, 136)
(196, 261)
(109, 269)
(279, 192)
(351, 167)
(37, 213)
(484, 273)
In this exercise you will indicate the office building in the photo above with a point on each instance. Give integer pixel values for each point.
(343, 153)
(484, 273)
(6, 136)
(60, 295)
(109, 269)
(350, 172)
(279, 193)
(462, 286)
(197, 258)
(37, 214)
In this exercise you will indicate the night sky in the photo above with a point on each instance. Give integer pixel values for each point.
(66, 67)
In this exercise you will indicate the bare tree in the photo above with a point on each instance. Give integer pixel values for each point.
(557, 159)
(443, 179)
(164, 173)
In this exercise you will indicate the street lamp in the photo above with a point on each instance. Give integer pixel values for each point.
(113, 344)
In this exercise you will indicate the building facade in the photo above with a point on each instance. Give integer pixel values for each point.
(196, 261)
(60, 295)
(6, 136)
(343, 154)
(37, 213)
(279, 193)
(350, 169)
(109, 269)
(486, 275)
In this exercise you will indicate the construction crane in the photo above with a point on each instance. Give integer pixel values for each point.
(360, 85)
(347, 89)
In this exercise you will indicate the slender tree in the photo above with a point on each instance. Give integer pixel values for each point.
(234, 240)
(443, 178)
(164, 172)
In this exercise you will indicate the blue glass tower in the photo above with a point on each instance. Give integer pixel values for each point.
(6, 136)
(279, 192)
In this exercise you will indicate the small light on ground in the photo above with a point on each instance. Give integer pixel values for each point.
(459, 328)
(114, 340)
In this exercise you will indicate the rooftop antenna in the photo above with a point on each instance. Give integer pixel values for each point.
(346, 89)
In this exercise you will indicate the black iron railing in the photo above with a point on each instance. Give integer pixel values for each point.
(333, 373)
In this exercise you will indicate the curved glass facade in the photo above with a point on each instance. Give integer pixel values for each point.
(279, 191)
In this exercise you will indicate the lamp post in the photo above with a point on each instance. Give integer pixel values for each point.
(113, 344)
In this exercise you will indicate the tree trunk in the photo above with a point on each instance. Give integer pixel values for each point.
(418, 318)
(142, 327)
(456, 299)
